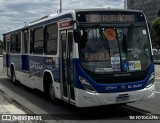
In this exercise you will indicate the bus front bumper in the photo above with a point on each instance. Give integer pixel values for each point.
(87, 99)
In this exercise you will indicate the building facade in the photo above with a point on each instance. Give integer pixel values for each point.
(149, 7)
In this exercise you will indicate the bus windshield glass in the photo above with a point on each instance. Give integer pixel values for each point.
(104, 50)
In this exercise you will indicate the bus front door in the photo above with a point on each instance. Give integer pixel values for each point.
(67, 71)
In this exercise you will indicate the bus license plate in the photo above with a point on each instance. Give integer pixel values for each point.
(122, 98)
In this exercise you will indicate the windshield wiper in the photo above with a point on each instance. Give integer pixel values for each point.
(104, 41)
(129, 37)
(124, 42)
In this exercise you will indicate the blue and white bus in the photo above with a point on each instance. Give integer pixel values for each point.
(88, 57)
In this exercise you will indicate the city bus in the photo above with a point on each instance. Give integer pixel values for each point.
(89, 57)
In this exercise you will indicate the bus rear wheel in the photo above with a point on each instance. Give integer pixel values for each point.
(15, 82)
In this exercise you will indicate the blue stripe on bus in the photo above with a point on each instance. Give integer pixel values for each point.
(34, 66)
(25, 62)
(6, 60)
(16, 60)
(101, 88)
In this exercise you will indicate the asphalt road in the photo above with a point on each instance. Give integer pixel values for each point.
(33, 101)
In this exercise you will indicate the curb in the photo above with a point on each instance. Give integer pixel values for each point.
(9, 107)
(156, 61)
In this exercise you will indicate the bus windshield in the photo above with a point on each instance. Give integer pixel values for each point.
(104, 50)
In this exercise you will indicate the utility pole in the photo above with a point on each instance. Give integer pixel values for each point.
(125, 4)
(60, 6)
(107, 4)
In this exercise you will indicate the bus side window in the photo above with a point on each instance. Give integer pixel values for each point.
(26, 42)
(31, 41)
(4, 43)
(18, 42)
(51, 39)
(38, 40)
(13, 43)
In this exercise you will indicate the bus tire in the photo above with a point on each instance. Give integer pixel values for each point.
(15, 82)
(51, 94)
(49, 88)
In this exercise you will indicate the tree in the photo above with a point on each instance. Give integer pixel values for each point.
(1, 47)
(1, 43)
(159, 13)
(155, 31)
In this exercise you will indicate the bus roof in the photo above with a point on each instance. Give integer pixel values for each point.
(52, 16)
(106, 9)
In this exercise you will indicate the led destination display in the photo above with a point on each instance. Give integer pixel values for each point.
(110, 17)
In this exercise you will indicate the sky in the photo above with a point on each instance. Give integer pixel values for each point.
(16, 13)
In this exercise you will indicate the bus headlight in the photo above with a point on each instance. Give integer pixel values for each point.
(150, 81)
(86, 85)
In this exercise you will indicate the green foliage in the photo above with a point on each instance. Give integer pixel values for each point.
(155, 32)
(156, 26)
(1, 47)
(1, 43)
(159, 13)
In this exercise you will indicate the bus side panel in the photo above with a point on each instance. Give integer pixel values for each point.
(37, 66)
(16, 60)
(25, 62)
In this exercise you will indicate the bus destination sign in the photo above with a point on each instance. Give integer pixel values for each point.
(109, 18)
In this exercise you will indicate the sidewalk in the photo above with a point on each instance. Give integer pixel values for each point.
(9, 112)
(6, 105)
(156, 61)
(6, 108)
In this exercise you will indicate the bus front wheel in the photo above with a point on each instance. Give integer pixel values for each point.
(49, 88)
(51, 93)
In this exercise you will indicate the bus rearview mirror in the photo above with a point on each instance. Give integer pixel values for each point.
(77, 37)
